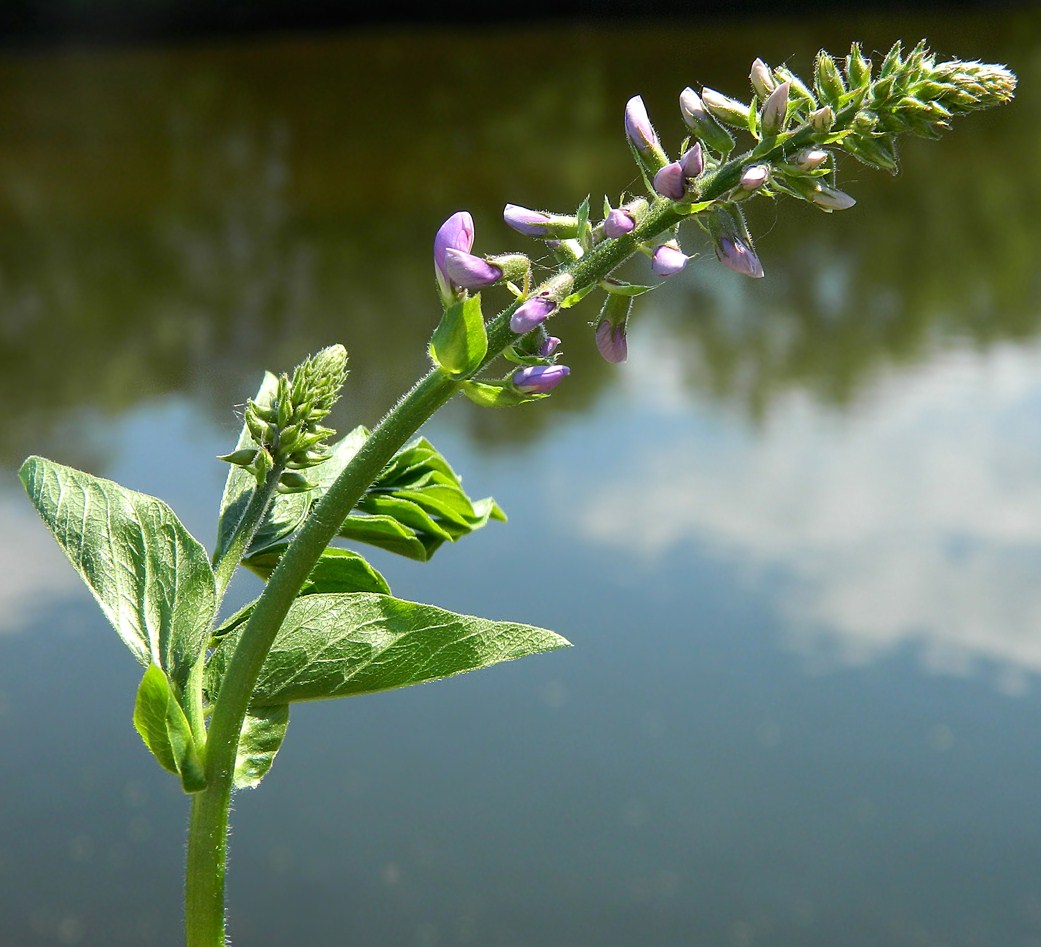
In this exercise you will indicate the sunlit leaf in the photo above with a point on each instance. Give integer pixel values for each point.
(347, 645)
(261, 737)
(150, 576)
(159, 720)
(337, 570)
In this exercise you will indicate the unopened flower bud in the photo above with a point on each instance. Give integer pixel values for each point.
(531, 313)
(668, 259)
(240, 458)
(456, 233)
(733, 252)
(638, 127)
(775, 111)
(611, 330)
(468, 271)
(831, 198)
(762, 79)
(697, 118)
(668, 182)
(513, 266)
(809, 159)
(822, 119)
(754, 177)
(693, 161)
(549, 346)
(535, 223)
(725, 108)
(618, 223)
(539, 379)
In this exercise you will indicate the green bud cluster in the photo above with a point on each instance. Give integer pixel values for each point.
(287, 426)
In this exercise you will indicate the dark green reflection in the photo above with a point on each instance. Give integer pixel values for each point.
(173, 220)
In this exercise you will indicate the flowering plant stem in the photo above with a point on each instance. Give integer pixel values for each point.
(208, 827)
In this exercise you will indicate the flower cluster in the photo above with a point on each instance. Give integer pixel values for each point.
(286, 426)
(796, 128)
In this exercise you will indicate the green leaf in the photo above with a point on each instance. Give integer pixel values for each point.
(347, 645)
(260, 739)
(575, 298)
(620, 288)
(164, 728)
(585, 232)
(337, 570)
(287, 510)
(496, 394)
(460, 341)
(150, 576)
(386, 533)
(698, 206)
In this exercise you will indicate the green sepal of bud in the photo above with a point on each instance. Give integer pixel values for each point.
(830, 86)
(513, 353)
(823, 119)
(614, 287)
(240, 458)
(514, 266)
(616, 308)
(293, 482)
(460, 341)
(497, 394)
(725, 109)
(799, 93)
(858, 68)
(303, 459)
(261, 431)
(575, 298)
(585, 231)
(260, 467)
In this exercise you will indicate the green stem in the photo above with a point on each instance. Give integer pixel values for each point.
(207, 839)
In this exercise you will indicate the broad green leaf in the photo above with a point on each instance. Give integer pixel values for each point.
(347, 645)
(150, 576)
(405, 512)
(164, 728)
(460, 341)
(337, 570)
(262, 733)
(286, 512)
(387, 533)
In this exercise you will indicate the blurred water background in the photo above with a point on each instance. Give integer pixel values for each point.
(796, 539)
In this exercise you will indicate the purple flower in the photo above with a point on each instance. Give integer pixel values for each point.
(456, 233)
(531, 223)
(549, 346)
(638, 126)
(754, 177)
(468, 271)
(668, 259)
(539, 379)
(669, 182)
(693, 161)
(618, 223)
(611, 341)
(735, 253)
(532, 312)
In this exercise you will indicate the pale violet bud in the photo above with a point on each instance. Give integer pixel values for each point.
(535, 223)
(831, 198)
(611, 341)
(531, 313)
(668, 259)
(697, 118)
(668, 182)
(725, 108)
(468, 271)
(549, 346)
(739, 256)
(456, 233)
(809, 159)
(822, 119)
(638, 126)
(775, 111)
(762, 79)
(539, 379)
(531, 223)
(754, 176)
(618, 223)
(693, 161)
(610, 331)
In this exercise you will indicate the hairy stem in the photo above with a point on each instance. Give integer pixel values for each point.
(207, 841)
